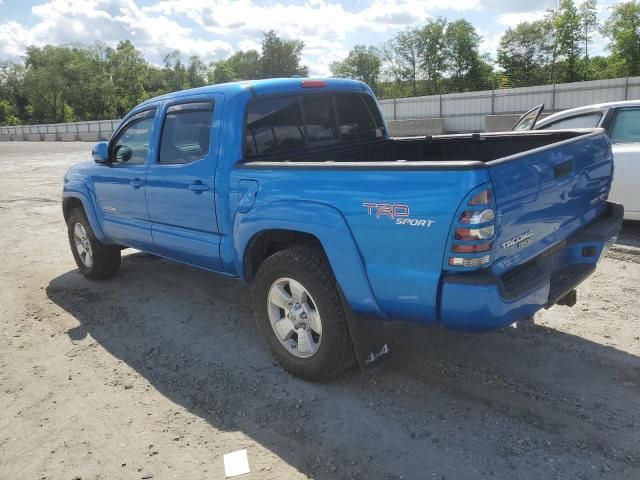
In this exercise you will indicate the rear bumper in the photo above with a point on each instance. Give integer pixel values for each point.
(481, 301)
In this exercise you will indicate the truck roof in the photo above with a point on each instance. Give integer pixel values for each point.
(265, 87)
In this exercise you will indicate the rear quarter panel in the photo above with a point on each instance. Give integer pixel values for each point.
(403, 262)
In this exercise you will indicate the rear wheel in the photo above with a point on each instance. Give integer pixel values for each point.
(94, 259)
(300, 314)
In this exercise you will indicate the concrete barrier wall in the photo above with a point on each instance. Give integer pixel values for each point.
(89, 136)
(67, 137)
(415, 127)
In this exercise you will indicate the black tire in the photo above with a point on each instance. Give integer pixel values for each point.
(106, 258)
(308, 266)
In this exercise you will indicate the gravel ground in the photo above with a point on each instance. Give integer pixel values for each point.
(159, 372)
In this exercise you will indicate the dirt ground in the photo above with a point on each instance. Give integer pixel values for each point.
(159, 372)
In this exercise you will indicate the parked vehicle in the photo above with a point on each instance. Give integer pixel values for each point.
(622, 121)
(294, 186)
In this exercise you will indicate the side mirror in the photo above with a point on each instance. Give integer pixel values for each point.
(100, 152)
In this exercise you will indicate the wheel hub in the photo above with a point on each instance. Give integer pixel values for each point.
(83, 245)
(294, 317)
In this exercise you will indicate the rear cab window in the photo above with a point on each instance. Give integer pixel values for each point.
(292, 122)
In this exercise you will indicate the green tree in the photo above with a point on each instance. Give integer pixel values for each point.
(175, 71)
(196, 74)
(568, 29)
(127, 69)
(406, 49)
(8, 113)
(433, 51)
(589, 19)
(623, 30)
(522, 53)
(362, 63)
(47, 84)
(462, 44)
(281, 58)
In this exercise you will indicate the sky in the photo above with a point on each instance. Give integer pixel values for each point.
(213, 29)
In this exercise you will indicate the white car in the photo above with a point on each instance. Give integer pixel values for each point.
(621, 120)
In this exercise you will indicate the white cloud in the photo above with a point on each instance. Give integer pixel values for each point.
(513, 19)
(212, 29)
(76, 21)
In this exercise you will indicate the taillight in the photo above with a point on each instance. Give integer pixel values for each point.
(477, 248)
(313, 83)
(473, 231)
(477, 216)
(473, 262)
(483, 233)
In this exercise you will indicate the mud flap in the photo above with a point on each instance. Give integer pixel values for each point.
(369, 337)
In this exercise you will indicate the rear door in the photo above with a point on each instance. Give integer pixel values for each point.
(544, 195)
(180, 183)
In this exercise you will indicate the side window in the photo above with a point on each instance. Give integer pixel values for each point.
(273, 125)
(320, 119)
(626, 126)
(186, 133)
(355, 121)
(590, 120)
(132, 144)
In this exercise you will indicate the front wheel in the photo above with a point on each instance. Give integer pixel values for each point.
(94, 259)
(300, 314)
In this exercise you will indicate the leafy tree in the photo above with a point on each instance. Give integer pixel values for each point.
(569, 36)
(46, 83)
(623, 30)
(434, 52)
(127, 69)
(362, 63)
(196, 74)
(175, 71)
(462, 43)
(281, 58)
(522, 53)
(8, 113)
(407, 50)
(589, 18)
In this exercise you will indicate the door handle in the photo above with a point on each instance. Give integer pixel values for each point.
(136, 183)
(198, 187)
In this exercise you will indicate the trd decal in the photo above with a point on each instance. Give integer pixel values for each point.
(398, 212)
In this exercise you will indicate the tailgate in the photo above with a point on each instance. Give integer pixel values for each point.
(545, 194)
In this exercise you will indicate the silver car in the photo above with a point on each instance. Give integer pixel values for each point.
(621, 120)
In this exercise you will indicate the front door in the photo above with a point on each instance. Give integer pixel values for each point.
(180, 183)
(120, 183)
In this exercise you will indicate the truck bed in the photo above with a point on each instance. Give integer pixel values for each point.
(474, 147)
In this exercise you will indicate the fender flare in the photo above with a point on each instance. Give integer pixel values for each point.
(79, 191)
(325, 223)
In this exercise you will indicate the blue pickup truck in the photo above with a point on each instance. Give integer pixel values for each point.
(295, 186)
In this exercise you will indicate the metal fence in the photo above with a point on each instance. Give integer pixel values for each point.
(465, 112)
(100, 129)
(462, 112)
